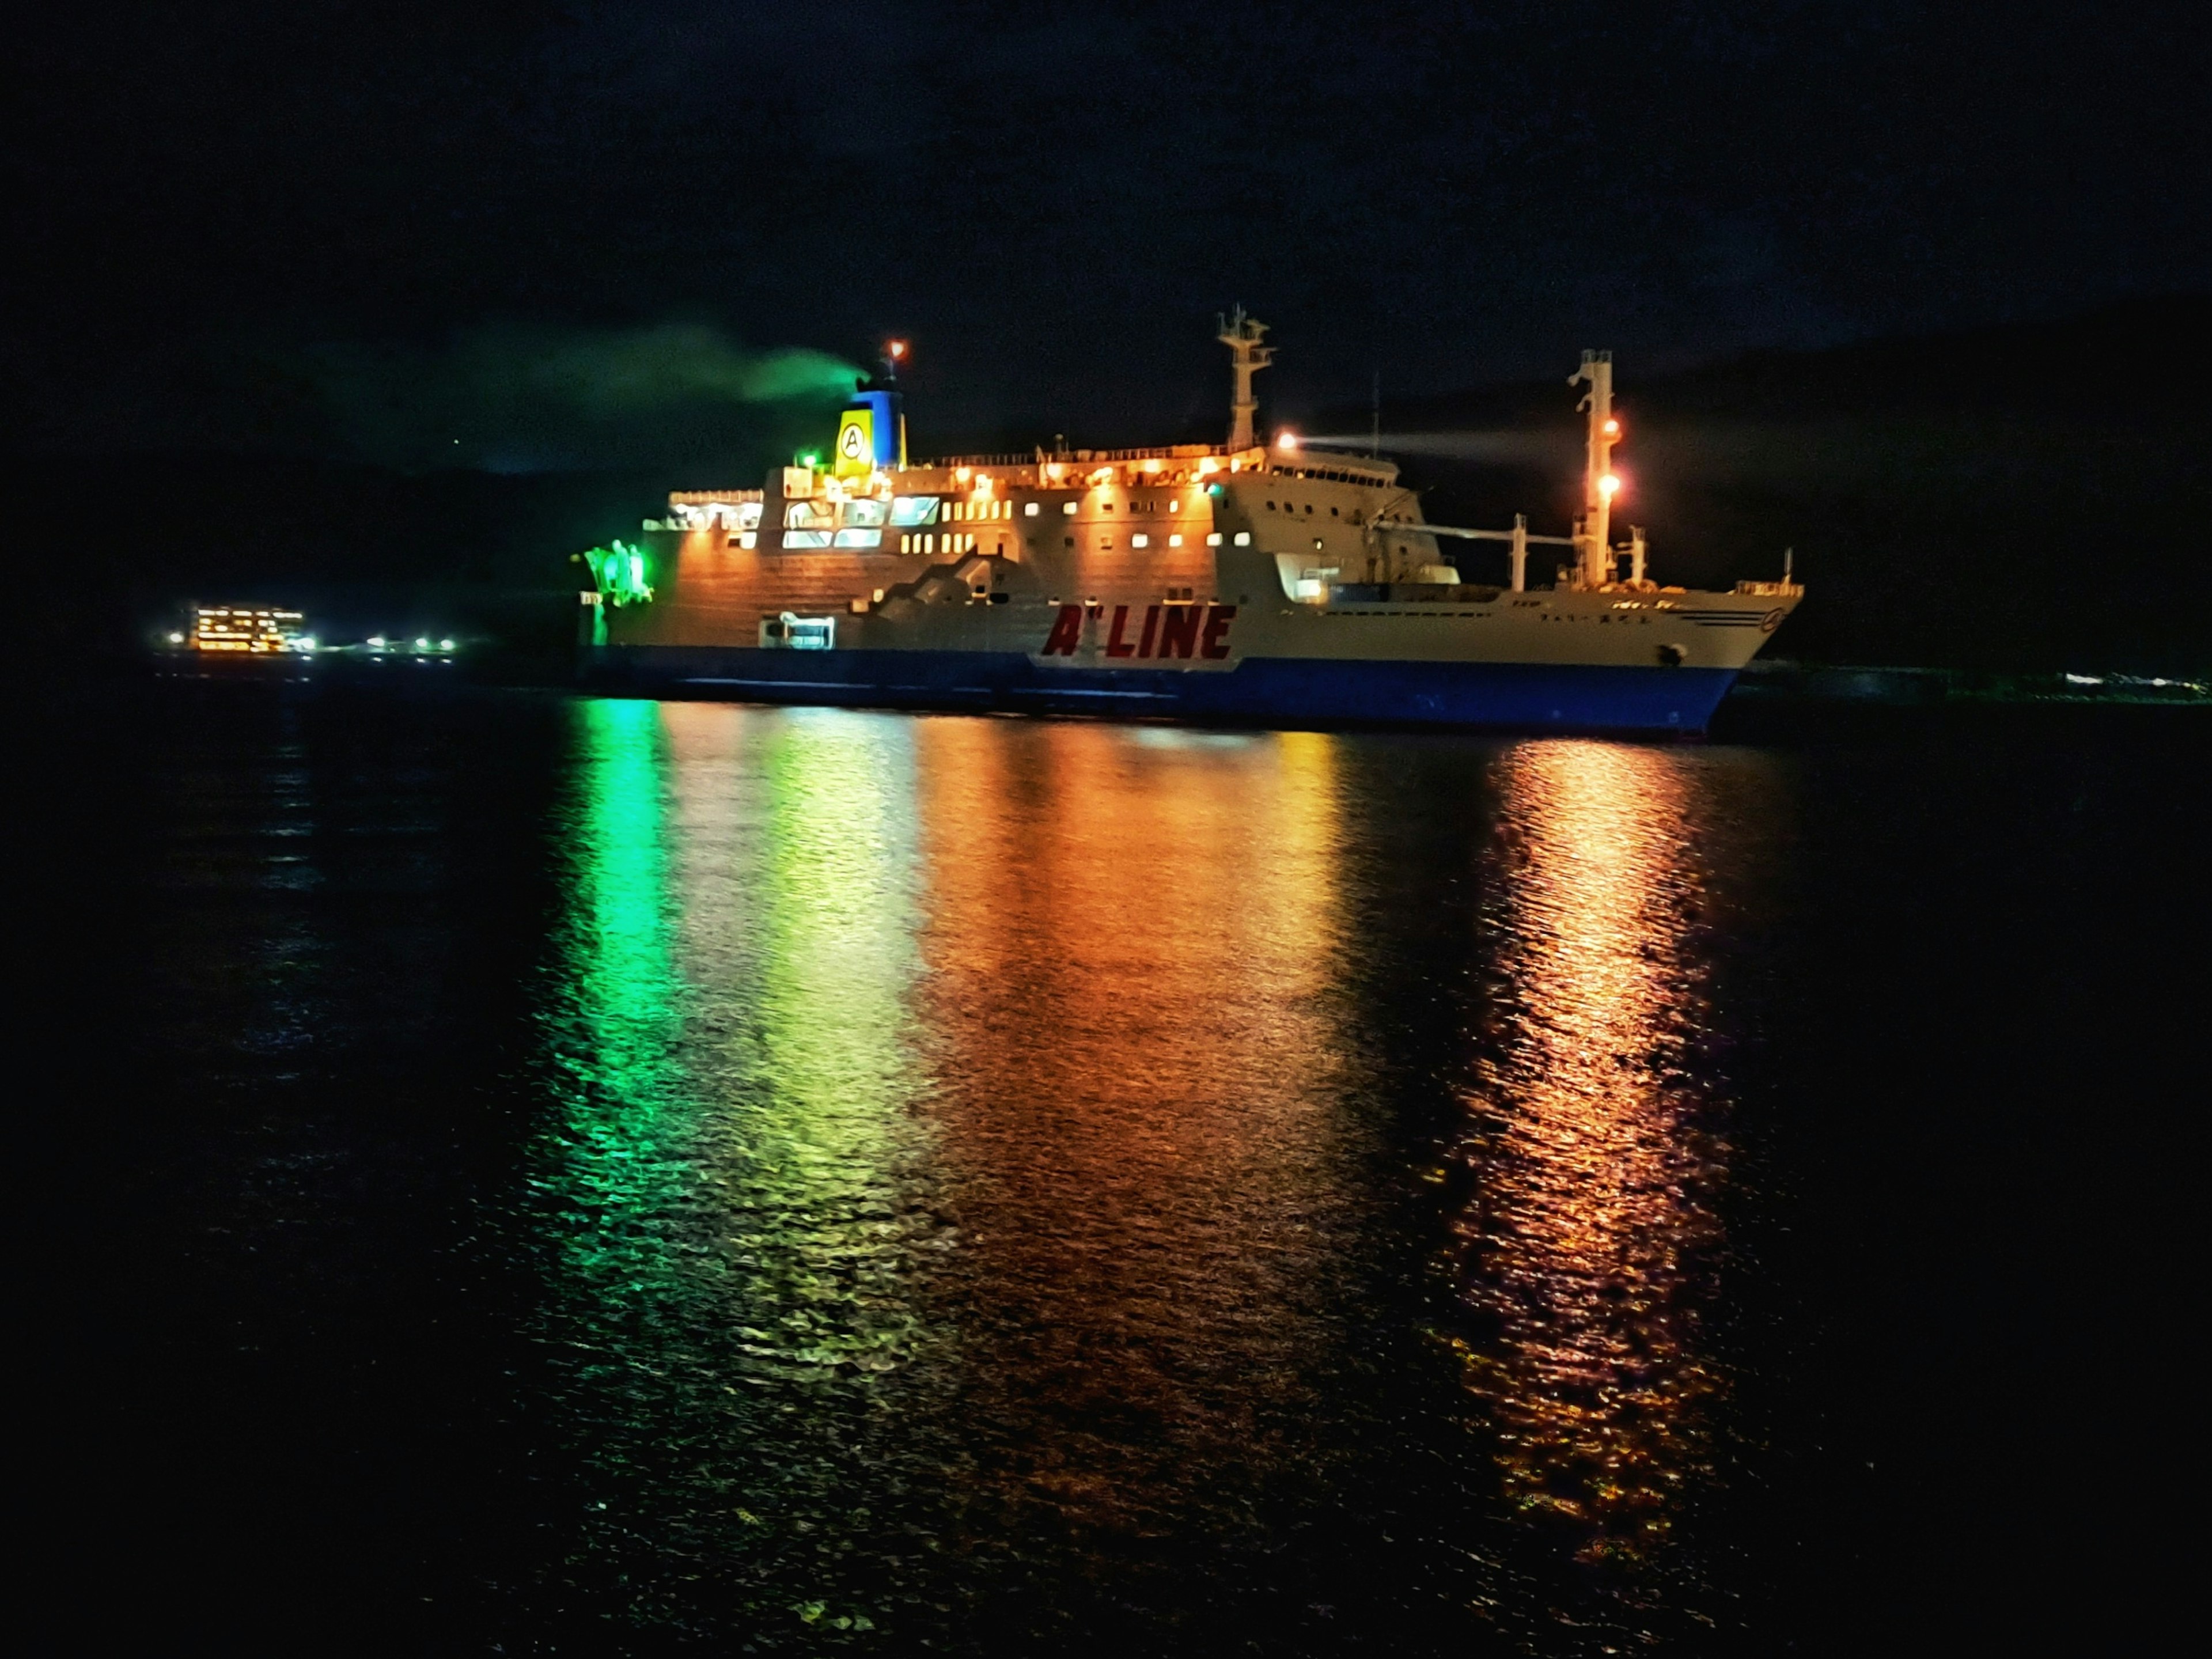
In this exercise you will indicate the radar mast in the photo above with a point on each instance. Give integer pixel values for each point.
(1240, 334)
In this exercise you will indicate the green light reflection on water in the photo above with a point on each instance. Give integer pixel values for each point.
(737, 1188)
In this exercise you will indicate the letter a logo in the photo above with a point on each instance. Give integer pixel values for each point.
(1067, 632)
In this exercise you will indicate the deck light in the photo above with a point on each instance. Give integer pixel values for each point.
(896, 348)
(1612, 428)
(1609, 485)
(1287, 440)
(176, 639)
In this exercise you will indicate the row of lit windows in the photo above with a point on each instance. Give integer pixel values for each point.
(1242, 538)
(936, 542)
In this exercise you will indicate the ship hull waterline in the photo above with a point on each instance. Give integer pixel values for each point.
(1255, 691)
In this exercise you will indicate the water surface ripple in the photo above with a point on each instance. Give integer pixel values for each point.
(680, 1177)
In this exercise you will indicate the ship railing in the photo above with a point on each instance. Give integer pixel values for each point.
(1098, 457)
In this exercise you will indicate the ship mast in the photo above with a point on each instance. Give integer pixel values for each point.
(1240, 334)
(1599, 484)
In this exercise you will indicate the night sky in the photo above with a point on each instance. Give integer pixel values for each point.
(333, 228)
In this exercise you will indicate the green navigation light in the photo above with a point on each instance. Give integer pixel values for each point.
(619, 573)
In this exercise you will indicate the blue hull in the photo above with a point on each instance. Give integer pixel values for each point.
(1263, 690)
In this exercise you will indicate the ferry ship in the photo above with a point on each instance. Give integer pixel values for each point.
(1247, 583)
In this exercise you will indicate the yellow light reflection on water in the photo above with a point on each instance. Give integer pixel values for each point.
(1592, 1159)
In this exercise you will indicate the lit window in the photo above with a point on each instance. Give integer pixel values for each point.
(858, 538)
(748, 538)
(1175, 506)
(1244, 539)
(1068, 507)
(1175, 541)
(1028, 509)
(798, 539)
(1214, 540)
(864, 513)
(914, 510)
(1140, 541)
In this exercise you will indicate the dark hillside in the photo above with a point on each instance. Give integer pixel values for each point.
(360, 548)
(2029, 497)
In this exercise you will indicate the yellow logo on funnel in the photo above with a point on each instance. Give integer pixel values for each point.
(856, 442)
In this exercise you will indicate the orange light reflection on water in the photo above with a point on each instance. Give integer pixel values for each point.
(1593, 1163)
(1131, 941)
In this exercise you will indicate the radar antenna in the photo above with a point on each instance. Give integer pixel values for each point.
(1240, 334)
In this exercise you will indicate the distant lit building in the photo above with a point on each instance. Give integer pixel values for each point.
(250, 630)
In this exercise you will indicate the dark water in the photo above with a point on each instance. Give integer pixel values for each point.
(520, 1175)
